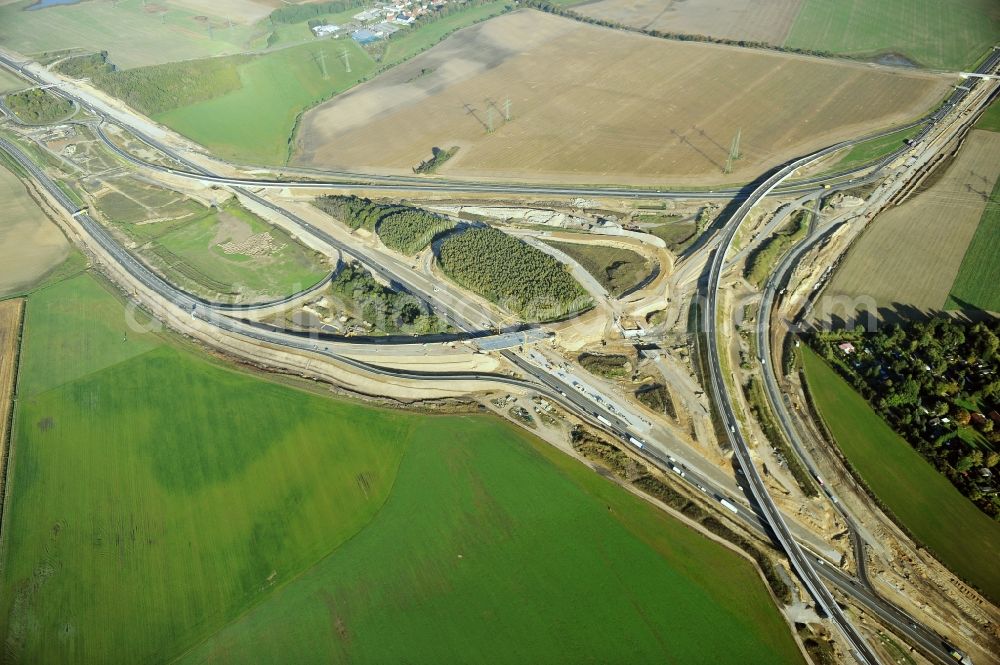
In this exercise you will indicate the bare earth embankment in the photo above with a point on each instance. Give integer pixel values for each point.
(911, 254)
(751, 20)
(591, 104)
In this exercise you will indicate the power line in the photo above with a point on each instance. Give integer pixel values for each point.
(347, 59)
(322, 63)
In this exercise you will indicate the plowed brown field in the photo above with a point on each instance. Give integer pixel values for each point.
(10, 325)
(596, 105)
(911, 254)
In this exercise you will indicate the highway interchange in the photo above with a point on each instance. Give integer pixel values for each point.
(769, 520)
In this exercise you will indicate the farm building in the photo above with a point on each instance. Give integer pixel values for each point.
(369, 15)
(325, 30)
(364, 36)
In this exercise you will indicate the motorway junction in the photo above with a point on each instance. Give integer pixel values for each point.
(678, 330)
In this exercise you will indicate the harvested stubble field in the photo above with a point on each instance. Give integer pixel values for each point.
(212, 516)
(975, 286)
(911, 254)
(752, 20)
(591, 104)
(10, 327)
(30, 243)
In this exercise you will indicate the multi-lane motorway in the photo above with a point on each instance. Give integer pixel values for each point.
(801, 562)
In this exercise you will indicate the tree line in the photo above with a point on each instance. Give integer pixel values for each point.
(305, 12)
(936, 383)
(512, 274)
(403, 228)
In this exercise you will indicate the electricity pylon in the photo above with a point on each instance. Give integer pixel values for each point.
(734, 152)
(322, 63)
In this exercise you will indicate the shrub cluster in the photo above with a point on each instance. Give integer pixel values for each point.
(513, 274)
(386, 310)
(38, 106)
(402, 228)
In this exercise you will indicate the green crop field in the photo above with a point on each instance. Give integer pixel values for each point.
(990, 120)
(203, 514)
(617, 269)
(491, 549)
(975, 285)
(255, 123)
(227, 248)
(142, 34)
(929, 506)
(869, 151)
(945, 34)
(10, 82)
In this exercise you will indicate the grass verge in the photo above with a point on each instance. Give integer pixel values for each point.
(617, 269)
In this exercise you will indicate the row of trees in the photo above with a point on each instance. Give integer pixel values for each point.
(159, 88)
(305, 12)
(402, 228)
(513, 274)
(38, 106)
(937, 384)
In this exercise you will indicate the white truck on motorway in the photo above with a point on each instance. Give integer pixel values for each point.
(729, 506)
(635, 442)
